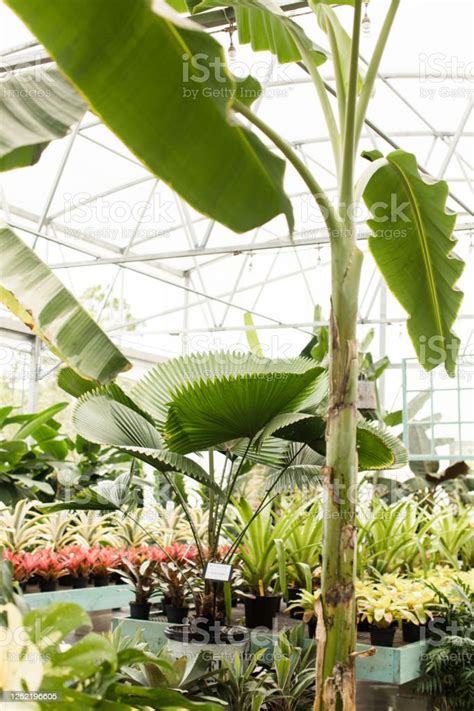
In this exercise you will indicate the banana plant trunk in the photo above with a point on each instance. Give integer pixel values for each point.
(336, 624)
(336, 629)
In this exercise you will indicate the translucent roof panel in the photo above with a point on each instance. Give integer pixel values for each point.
(163, 279)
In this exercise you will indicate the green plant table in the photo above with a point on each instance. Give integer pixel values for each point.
(91, 599)
(390, 665)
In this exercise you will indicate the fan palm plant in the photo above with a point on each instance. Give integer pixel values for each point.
(411, 246)
(238, 408)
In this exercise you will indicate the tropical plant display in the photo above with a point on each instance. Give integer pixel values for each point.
(205, 419)
(89, 672)
(38, 460)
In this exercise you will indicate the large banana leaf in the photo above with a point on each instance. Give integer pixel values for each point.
(265, 26)
(412, 245)
(34, 294)
(35, 107)
(160, 83)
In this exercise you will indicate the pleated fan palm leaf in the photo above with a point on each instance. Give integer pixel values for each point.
(377, 448)
(205, 400)
(107, 416)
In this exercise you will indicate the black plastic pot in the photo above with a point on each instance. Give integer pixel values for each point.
(382, 636)
(176, 615)
(412, 633)
(312, 624)
(363, 626)
(437, 627)
(80, 581)
(140, 610)
(261, 611)
(164, 602)
(222, 634)
(65, 581)
(101, 580)
(46, 585)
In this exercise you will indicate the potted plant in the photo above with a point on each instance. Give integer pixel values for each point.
(307, 602)
(101, 560)
(48, 567)
(174, 583)
(259, 561)
(78, 565)
(23, 564)
(415, 600)
(302, 551)
(378, 604)
(141, 576)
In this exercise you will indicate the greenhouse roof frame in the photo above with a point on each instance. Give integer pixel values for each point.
(166, 266)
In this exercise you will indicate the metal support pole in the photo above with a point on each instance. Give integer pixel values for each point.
(382, 339)
(35, 363)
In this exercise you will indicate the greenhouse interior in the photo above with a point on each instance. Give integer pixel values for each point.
(236, 370)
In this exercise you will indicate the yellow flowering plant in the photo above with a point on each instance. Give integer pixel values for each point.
(394, 599)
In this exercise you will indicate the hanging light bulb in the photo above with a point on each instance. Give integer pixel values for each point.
(366, 20)
(231, 50)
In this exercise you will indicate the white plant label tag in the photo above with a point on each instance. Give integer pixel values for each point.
(367, 398)
(219, 572)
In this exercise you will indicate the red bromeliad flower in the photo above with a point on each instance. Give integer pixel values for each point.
(181, 551)
(48, 564)
(101, 559)
(76, 561)
(23, 565)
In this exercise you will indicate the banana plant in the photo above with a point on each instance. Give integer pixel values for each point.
(38, 298)
(103, 48)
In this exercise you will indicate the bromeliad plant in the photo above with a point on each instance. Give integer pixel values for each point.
(141, 576)
(148, 39)
(258, 553)
(394, 538)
